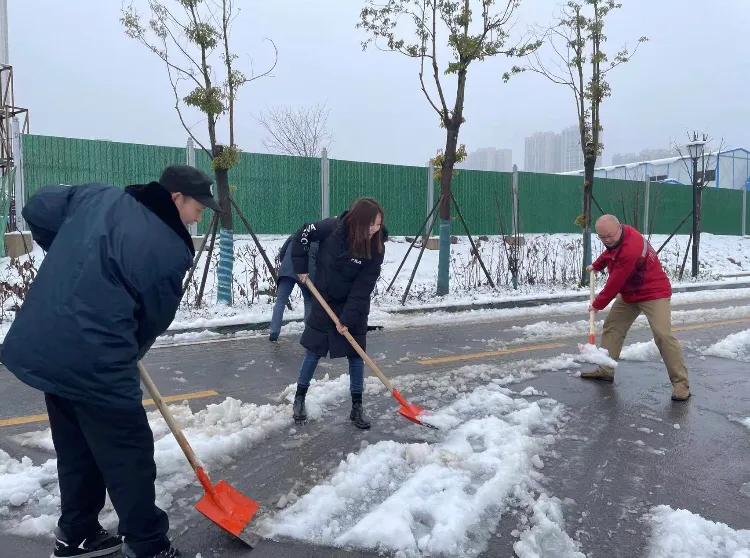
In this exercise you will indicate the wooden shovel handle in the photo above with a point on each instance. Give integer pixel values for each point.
(374, 367)
(168, 418)
(592, 314)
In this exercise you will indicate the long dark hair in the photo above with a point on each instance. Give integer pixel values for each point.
(357, 221)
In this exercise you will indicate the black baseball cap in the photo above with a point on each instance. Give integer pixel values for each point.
(191, 182)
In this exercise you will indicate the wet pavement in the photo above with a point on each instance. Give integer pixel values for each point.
(624, 447)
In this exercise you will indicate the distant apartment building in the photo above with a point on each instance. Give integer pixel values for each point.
(572, 154)
(489, 159)
(551, 152)
(543, 152)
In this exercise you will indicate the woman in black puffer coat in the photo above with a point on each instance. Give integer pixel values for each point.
(350, 255)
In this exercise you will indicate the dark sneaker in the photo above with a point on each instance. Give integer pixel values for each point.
(169, 552)
(273, 337)
(99, 544)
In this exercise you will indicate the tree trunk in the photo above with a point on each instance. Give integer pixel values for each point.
(226, 235)
(446, 176)
(588, 188)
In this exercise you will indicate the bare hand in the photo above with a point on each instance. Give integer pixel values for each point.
(342, 329)
(589, 268)
(592, 309)
(302, 278)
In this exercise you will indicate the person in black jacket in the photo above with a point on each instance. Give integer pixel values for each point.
(110, 284)
(348, 265)
(285, 285)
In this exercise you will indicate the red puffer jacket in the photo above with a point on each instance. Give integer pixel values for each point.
(634, 271)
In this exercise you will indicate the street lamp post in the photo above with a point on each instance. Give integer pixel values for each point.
(696, 149)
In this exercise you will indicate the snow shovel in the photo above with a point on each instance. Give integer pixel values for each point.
(592, 314)
(409, 411)
(223, 504)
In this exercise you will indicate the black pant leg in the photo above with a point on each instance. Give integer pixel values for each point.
(123, 446)
(82, 489)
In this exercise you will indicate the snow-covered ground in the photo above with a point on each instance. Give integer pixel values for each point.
(217, 434)
(487, 456)
(735, 347)
(486, 462)
(682, 534)
(539, 330)
(438, 494)
(548, 268)
(441, 498)
(442, 495)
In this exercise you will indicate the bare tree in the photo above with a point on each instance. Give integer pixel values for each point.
(472, 30)
(302, 131)
(579, 63)
(192, 38)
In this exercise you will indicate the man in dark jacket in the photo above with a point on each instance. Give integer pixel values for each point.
(108, 286)
(635, 273)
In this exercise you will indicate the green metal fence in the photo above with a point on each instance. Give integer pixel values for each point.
(721, 211)
(624, 198)
(53, 160)
(278, 193)
(549, 202)
(401, 190)
(668, 205)
(485, 200)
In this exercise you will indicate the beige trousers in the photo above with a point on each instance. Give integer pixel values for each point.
(659, 315)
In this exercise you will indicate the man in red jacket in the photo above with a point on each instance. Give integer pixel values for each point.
(636, 275)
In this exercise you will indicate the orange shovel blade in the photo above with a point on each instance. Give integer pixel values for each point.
(410, 411)
(228, 508)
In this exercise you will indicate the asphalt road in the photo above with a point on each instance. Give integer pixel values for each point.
(606, 470)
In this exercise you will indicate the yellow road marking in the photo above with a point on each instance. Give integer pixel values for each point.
(427, 361)
(184, 396)
(711, 324)
(23, 420)
(500, 352)
(16, 421)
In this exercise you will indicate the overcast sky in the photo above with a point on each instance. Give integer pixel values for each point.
(80, 76)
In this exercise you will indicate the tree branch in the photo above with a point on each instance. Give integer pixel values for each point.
(179, 113)
(267, 72)
(164, 58)
(436, 75)
(176, 42)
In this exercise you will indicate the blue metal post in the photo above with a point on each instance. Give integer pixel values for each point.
(226, 263)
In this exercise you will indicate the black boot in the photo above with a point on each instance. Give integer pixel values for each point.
(298, 409)
(357, 416)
